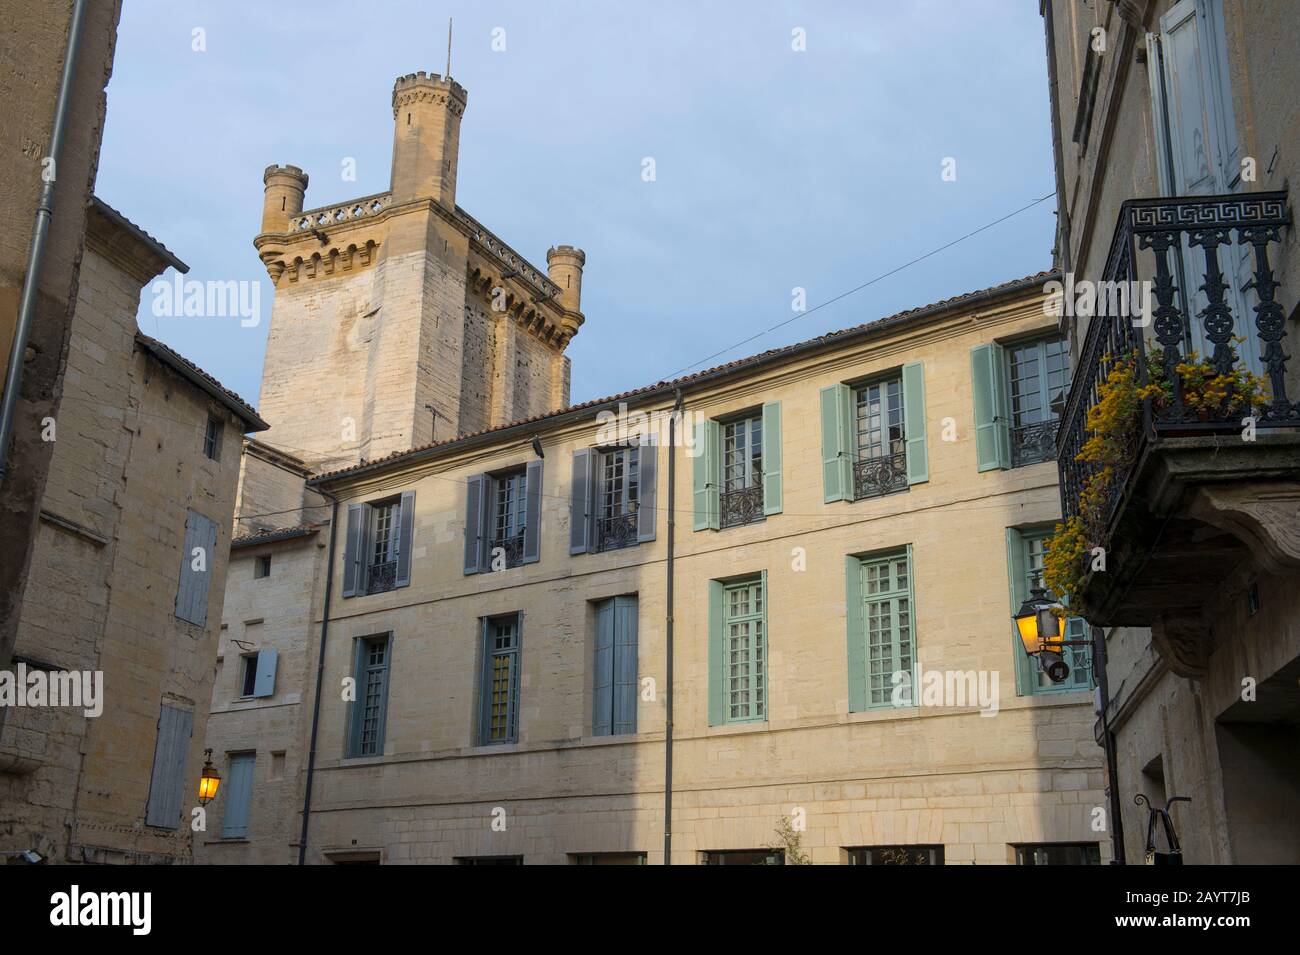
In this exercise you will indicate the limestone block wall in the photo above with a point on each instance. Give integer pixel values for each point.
(269, 613)
(979, 785)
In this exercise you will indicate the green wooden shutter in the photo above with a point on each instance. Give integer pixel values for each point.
(992, 424)
(772, 457)
(1018, 580)
(856, 626)
(767, 648)
(918, 460)
(837, 443)
(717, 658)
(707, 470)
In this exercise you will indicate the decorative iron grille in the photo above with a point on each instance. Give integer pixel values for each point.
(618, 530)
(886, 474)
(741, 506)
(1034, 443)
(509, 548)
(381, 577)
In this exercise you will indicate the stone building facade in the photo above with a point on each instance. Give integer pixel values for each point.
(1175, 132)
(127, 579)
(493, 643)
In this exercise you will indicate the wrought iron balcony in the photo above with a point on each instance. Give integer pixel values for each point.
(1034, 443)
(511, 549)
(1175, 232)
(742, 505)
(873, 477)
(1177, 491)
(381, 577)
(616, 530)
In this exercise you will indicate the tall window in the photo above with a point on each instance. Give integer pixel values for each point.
(499, 691)
(745, 646)
(506, 546)
(614, 667)
(369, 710)
(742, 471)
(880, 458)
(617, 497)
(377, 549)
(1078, 658)
(1039, 377)
(212, 439)
(887, 619)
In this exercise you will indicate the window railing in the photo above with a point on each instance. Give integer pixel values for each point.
(1034, 443)
(616, 530)
(1171, 233)
(877, 476)
(741, 505)
(381, 577)
(510, 548)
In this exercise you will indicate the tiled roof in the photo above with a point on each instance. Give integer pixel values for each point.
(122, 222)
(206, 382)
(733, 367)
(277, 534)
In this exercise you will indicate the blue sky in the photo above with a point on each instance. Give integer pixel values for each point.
(775, 169)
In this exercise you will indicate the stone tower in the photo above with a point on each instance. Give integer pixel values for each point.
(399, 319)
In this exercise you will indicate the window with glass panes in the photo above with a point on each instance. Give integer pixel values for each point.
(1038, 376)
(742, 454)
(383, 533)
(372, 697)
(745, 649)
(500, 692)
(887, 617)
(617, 494)
(1079, 659)
(878, 419)
(508, 515)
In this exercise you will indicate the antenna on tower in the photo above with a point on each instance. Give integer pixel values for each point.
(448, 73)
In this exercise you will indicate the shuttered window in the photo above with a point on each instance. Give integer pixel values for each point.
(614, 665)
(378, 544)
(198, 554)
(499, 684)
(370, 708)
(238, 793)
(258, 677)
(1038, 376)
(170, 758)
(1025, 554)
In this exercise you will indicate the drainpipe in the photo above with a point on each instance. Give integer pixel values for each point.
(668, 630)
(1108, 746)
(36, 254)
(320, 676)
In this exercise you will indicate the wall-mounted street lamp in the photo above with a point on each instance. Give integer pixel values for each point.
(1039, 625)
(209, 780)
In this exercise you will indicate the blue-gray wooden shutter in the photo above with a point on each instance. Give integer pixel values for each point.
(647, 483)
(170, 755)
(239, 797)
(357, 705)
(533, 512)
(706, 473)
(837, 443)
(580, 499)
(918, 459)
(625, 664)
(602, 714)
(992, 414)
(772, 457)
(405, 539)
(264, 681)
(485, 683)
(192, 588)
(354, 549)
(476, 500)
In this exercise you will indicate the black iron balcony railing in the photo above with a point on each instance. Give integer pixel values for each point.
(616, 530)
(886, 474)
(743, 505)
(1034, 443)
(1181, 241)
(509, 549)
(381, 577)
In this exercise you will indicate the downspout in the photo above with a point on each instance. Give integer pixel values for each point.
(36, 254)
(1108, 746)
(668, 630)
(320, 677)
